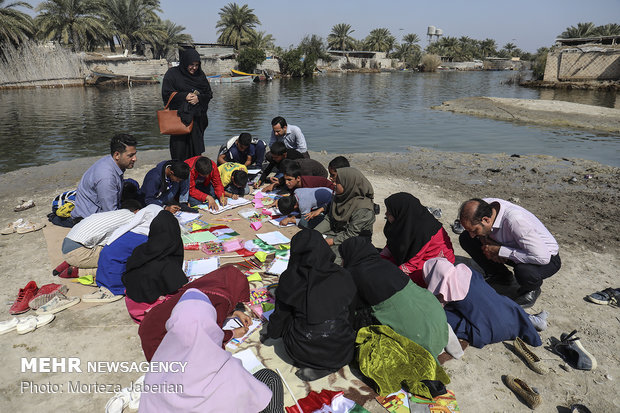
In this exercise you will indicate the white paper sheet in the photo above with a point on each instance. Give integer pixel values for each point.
(236, 342)
(201, 267)
(231, 203)
(273, 238)
(249, 360)
(277, 266)
(184, 217)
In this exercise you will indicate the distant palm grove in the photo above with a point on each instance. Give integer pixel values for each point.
(87, 25)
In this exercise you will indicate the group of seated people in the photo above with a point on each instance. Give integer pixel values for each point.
(337, 282)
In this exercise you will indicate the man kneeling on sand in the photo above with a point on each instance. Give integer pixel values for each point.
(500, 232)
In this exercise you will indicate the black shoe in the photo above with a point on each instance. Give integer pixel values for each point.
(310, 374)
(528, 299)
(499, 279)
(573, 352)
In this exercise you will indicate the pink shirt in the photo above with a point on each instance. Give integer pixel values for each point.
(523, 237)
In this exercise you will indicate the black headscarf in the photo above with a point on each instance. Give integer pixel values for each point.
(178, 79)
(312, 282)
(412, 229)
(376, 279)
(155, 268)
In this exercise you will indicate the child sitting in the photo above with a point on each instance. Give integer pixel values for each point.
(234, 179)
(310, 202)
(293, 179)
(244, 150)
(334, 164)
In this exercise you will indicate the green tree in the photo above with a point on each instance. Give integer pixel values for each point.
(293, 63)
(173, 35)
(15, 26)
(488, 47)
(380, 40)
(340, 37)
(249, 58)
(539, 63)
(510, 48)
(408, 53)
(260, 40)
(73, 22)
(610, 29)
(582, 30)
(412, 40)
(134, 22)
(236, 24)
(314, 47)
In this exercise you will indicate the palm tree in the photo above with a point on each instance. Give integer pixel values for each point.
(15, 26)
(411, 40)
(134, 22)
(173, 36)
(487, 47)
(582, 30)
(236, 24)
(70, 22)
(610, 29)
(314, 47)
(340, 37)
(380, 40)
(510, 48)
(260, 40)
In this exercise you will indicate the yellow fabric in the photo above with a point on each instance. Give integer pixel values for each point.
(394, 361)
(64, 210)
(226, 170)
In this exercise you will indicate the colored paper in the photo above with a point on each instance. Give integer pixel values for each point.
(255, 277)
(261, 256)
(256, 225)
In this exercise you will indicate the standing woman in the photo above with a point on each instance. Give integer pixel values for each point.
(191, 102)
(413, 236)
(352, 211)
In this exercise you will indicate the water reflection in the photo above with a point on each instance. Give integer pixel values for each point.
(344, 113)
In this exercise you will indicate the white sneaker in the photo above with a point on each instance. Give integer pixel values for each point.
(57, 304)
(118, 402)
(102, 295)
(8, 325)
(27, 324)
(134, 395)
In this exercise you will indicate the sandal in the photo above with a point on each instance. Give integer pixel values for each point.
(24, 205)
(10, 228)
(28, 226)
(609, 296)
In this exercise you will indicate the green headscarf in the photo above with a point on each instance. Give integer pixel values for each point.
(358, 194)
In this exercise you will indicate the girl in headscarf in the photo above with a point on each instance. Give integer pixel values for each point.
(475, 311)
(352, 211)
(392, 298)
(312, 308)
(413, 236)
(226, 288)
(155, 268)
(211, 380)
(191, 102)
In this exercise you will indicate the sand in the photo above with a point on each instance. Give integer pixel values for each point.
(582, 213)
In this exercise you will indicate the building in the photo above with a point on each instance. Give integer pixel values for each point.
(584, 59)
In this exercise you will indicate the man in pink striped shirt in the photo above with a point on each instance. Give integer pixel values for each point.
(499, 232)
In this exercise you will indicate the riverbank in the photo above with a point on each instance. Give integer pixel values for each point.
(540, 112)
(578, 200)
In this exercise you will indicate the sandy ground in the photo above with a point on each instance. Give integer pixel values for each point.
(541, 112)
(582, 213)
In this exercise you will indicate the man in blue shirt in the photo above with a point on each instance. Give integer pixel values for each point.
(101, 185)
(291, 135)
(167, 184)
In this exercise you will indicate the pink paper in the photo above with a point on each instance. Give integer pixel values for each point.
(258, 195)
(256, 225)
(258, 203)
(232, 245)
(266, 212)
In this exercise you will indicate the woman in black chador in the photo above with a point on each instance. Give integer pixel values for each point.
(192, 101)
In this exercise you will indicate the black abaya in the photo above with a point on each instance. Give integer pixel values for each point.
(178, 79)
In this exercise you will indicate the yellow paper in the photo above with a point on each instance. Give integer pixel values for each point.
(261, 256)
(285, 246)
(255, 277)
(196, 227)
(85, 279)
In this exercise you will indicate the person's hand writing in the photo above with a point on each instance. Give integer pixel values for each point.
(243, 317)
(313, 214)
(287, 220)
(223, 200)
(234, 196)
(258, 183)
(239, 332)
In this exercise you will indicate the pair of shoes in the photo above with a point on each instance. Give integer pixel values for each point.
(28, 226)
(531, 359)
(70, 272)
(528, 299)
(60, 268)
(457, 228)
(609, 296)
(521, 389)
(46, 293)
(8, 325)
(32, 322)
(539, 321)
(102, 295)
(579, 408)
(573, 352)
(12, 227)
(24, 205)
(23, 298)
(57, 304)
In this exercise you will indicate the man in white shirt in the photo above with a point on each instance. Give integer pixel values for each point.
(499, 232)
(291, 135)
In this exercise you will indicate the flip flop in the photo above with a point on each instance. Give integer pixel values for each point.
(24, 205)
(609, 296)
(29, 226)
(10, 228)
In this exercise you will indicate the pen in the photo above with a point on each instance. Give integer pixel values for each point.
(238, 322)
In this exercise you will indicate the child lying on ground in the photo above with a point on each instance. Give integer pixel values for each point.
(234, 178)
(310, 202)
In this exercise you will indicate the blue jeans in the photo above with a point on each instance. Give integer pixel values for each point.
(207, 189)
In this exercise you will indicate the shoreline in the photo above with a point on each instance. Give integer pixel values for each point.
(582, 215)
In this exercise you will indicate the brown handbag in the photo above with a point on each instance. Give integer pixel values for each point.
(170, 123)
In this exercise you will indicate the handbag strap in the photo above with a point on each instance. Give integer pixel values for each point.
(170, 100)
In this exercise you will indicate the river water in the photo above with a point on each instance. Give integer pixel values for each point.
(337, 113)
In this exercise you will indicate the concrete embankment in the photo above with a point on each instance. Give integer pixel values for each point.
(541, 112)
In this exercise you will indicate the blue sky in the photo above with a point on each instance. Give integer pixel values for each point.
(529, 24)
